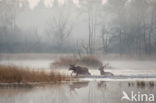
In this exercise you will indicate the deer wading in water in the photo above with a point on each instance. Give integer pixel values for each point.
(102, 72)
(78, 70)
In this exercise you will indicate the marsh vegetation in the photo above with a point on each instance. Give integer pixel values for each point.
(15, 74)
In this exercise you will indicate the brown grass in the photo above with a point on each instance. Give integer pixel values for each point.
(12, 74)
(90, 61)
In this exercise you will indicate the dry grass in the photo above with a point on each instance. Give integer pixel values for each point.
(12, 74)
(90, 61)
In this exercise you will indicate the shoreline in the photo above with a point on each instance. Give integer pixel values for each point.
(77, 80)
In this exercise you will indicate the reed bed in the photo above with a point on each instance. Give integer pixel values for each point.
(15, 74)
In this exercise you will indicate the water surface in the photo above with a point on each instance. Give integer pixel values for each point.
(118, 67)
(77, 92)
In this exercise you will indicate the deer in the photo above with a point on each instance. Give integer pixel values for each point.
(78, 70)
(102, 72)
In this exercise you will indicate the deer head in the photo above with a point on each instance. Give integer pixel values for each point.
(101, 68)
(71, 67)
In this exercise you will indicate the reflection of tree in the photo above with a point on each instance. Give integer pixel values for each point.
(92, 95)
(60, 95)
(102, 87)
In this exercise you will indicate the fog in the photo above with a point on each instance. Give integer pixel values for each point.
(78, 26)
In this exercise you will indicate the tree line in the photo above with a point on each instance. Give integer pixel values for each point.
(114, 26)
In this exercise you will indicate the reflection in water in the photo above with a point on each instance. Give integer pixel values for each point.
(102, 84)
(78, 85)
(82, 92)
(142, 84)
(16, 85)
(131, 84)
(151, 85)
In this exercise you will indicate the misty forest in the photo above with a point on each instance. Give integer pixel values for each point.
(77, 51)
(79, 26)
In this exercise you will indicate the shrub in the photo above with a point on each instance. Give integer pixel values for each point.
(65, 61)
(90, 61)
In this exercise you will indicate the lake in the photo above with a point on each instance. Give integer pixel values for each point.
(79, 92)
(118, 67)
(106, 90)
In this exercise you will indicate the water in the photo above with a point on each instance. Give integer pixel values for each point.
(104, 90)
(77, 92)
(118, 67)
(35, 63)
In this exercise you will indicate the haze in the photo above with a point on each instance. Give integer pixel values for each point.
(78, 26)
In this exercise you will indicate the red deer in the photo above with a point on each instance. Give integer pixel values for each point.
(102, 72)
(79, 70)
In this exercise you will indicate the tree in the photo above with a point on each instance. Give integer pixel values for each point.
(59, 27)
(8, 27)
(91, 8)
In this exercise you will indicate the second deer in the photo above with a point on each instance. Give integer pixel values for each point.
(102, 72)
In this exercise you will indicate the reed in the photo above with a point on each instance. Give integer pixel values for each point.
(15, 74)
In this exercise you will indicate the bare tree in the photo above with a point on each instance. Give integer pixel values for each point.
(91, 8)
(60, 27)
